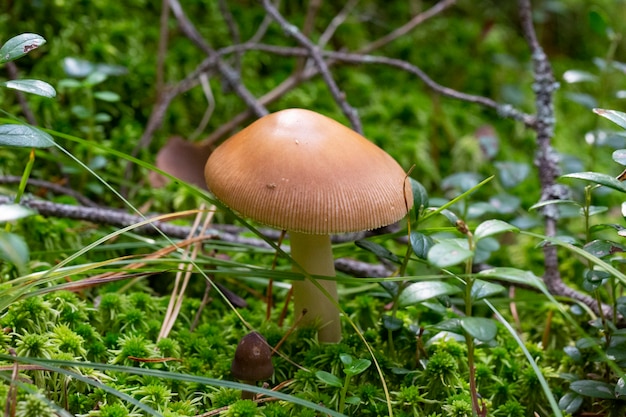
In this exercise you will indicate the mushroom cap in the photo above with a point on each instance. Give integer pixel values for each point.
(253, 359)
(301, 171)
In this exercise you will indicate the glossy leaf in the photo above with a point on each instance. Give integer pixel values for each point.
(620, 389)
(421, 291)
(109, 96)
(619, 156)
(570, 402)
(378, 250)
(598, 178)
(420, 196)
(584, 99)
(36, 87)
(448, 253)
(329, 379)
(13, 249)
(346, 359)
(24, 136)
(574, 353)
(511, 174)
(485, 289)
(514, 275)
(354, 366)
(421, 244)
(615, 116)
(450, 325)
(11, 212)
(480, 328)
(392, 323)
(19, 46)
(493, 227)
(550, 202)
(462, 181)
(505, 203)
(578, 76)
(451, 216)
(594, 389)
(602, 248)
(594, 279)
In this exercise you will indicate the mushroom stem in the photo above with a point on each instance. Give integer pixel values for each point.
(315, 255)
(248, 395)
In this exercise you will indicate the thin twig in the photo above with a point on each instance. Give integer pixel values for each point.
(336, 21)
(316, 56)
(225, 70)
(408, 27)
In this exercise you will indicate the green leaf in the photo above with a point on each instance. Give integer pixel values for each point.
(424, 290)
(514, 275)
(619, 156)
(620, 389)
(463, 181)
(448, 253)
(602, 248)
(594, 389)
(19, 46)
(511, 174)
(24, 136)
(493, 227)
(11, 212)
(421, 244)
(598, 22)
(549, 202)
(392, 323)
(109, 96)
(36, 87)
(615, 116)
(505, 203)
(578, 76)
(353, 400)
(13, 249)
(329, 379)
(94, 78)
(484, 289)
(570, 402)
(450, 325)
(420, 195)
(378, 250)
(358, 366)
(346, 359)
(598, 178)
(480, 328)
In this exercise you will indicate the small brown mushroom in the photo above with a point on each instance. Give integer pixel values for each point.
(252, 362)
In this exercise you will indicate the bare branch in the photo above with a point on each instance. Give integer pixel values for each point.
(547, 160)
(336, 22)
(294, 80)
(226, 233)
(409, 26)
(504, 110)
(225, 70)
(233, 29)
(316, 56)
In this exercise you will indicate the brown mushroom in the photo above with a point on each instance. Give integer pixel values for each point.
(303, 172)
(252, 361)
